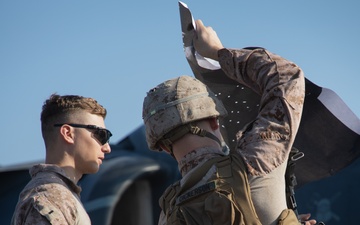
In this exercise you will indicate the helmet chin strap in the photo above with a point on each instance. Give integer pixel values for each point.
(179, 132)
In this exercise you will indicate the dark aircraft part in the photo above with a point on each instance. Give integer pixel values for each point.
(329, 131)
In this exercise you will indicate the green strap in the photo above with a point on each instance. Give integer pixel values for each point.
(173, 193)
(199, 173)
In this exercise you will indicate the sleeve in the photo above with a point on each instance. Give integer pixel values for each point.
(57, 205)
(266, 142)
(34, 217)
(50, 211)
(28, 215)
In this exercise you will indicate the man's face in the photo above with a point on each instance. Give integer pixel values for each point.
(88, 152)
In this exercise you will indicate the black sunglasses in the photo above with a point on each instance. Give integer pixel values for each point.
(100, 134)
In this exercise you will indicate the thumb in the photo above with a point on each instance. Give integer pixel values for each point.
(199, 25)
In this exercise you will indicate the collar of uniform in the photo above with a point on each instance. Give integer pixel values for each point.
(59, 173)
(197, 157)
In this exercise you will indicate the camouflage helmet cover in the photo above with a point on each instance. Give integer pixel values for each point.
(176, 102)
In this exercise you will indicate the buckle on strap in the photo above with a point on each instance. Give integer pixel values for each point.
(198, 131)
(297, 156)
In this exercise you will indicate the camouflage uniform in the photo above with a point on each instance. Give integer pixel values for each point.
(264, 144)
(50, 198)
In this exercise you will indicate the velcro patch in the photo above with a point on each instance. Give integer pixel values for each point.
(196, 192)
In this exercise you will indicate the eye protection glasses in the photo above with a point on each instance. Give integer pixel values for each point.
(102, 135)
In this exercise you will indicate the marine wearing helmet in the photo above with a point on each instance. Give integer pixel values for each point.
(171, 109)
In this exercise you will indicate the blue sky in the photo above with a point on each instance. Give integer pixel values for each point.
(115, 51)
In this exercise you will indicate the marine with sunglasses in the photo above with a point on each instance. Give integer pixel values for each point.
(76, 142)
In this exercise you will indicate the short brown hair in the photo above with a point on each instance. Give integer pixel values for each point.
(57, 109)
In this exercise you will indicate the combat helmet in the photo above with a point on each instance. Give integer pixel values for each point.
(174, 103)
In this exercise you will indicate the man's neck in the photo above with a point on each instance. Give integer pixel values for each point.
(72, 174)
(190, 142)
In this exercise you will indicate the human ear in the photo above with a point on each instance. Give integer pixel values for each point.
(67, 133)
(214, 123)
(164, 148)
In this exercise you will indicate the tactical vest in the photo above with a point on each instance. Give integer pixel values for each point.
(224, 199)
